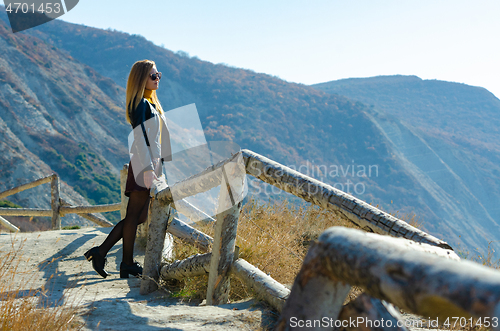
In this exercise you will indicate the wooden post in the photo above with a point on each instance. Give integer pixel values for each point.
(55, 203)
(159, 215)
(370, 314)
(419, 278)
(226, 226)
(314, 295)
(222, 255)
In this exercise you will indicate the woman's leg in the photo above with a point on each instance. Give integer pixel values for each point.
(130, 229)
(137, 212)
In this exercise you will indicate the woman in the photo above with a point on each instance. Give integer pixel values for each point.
(150, 147)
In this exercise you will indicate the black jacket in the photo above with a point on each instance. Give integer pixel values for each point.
(145, 144)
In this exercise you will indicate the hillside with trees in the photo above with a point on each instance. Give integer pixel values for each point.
(77, 75)
(446, 136)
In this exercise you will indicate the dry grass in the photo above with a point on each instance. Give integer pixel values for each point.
(23, 307)
(273, 236)
(487, 260)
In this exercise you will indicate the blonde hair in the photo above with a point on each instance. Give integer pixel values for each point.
(136, 83)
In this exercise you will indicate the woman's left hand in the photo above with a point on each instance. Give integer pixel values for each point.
(149, 176)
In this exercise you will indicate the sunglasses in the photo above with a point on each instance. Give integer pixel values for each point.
(154, 76)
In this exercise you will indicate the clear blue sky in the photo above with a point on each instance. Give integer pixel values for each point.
(321, 40)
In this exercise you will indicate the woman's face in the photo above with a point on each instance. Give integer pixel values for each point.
(152, 84)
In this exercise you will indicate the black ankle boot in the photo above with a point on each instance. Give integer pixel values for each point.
(98, 261)
(134, 270)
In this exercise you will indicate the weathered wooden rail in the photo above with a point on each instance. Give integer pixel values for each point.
(222, 260)
(415, 271)
(60, 207)
(437, 285)
(325, 196)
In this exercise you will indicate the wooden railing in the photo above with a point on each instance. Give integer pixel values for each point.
(418, 278)
(60, 207)
(416, 272)
(223, 260)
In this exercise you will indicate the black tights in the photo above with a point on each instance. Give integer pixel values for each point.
(137, 213)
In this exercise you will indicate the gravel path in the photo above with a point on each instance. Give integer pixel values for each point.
(55, 261)
(114, 303)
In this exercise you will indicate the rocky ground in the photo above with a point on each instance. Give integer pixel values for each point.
(114, 303)
(55, 261)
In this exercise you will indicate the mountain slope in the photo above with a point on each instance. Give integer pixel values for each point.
(446, 135)
(292, 123)
(52, 110)
(327, 136)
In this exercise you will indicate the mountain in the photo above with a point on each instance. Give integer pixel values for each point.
(291, 123)
(446, 136)
(80, 73)
(57, 115)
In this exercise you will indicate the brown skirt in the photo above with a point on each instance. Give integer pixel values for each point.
(132, 184)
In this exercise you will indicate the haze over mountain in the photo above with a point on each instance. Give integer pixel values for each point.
(63, 91)
(446, 135)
